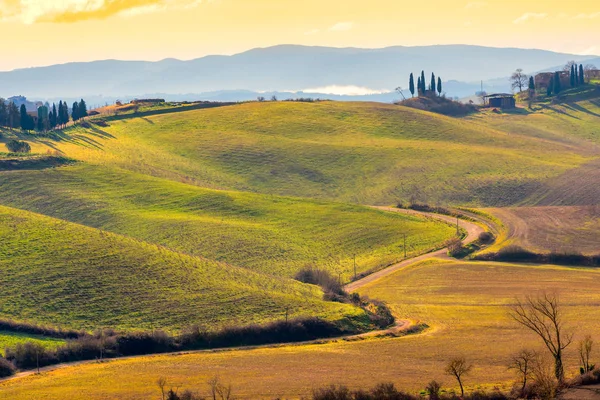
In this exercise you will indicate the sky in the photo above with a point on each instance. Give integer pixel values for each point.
(46, 32)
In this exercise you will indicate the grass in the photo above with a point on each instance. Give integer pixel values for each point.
(465, 304)
(352, 152)
(59, 273)
(11, 339)
(269, 234)
(552, 229)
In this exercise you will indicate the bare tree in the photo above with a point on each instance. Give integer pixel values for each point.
(219, 391)
(519, 80)
(585, 351)
(543, 316)
(162, 382)
(458, 367)
(569, 65)
(523, 363)
(273, 98)
(587, 72)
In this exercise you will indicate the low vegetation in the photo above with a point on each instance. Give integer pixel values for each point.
(440, 105)
(465, 304)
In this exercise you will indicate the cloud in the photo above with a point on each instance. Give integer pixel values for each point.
(529, 16)
(342, 26)
(31, 11)
(476, 5)
(588, 16)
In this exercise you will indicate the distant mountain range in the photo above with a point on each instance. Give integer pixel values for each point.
(284, 70)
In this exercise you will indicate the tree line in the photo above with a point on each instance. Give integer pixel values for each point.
(47, 119)
(578, 74)
(422, 87)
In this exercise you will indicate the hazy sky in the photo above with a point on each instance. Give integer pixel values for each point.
(43, 32)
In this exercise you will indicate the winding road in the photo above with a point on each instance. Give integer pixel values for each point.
(473, 230)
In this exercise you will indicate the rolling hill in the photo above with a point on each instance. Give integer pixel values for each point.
(64, 274)
(364, 153)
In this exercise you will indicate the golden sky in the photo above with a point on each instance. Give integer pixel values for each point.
(44, 32)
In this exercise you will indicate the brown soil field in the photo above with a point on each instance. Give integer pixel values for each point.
(552, 229)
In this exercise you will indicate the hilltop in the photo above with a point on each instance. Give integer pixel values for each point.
(364, 153)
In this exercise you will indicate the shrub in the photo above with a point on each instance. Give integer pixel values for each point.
(329, 284)
(433, 390)
(16, 146)
(30, 355)
(486, 237)
(6, 368)
(440, 105)
(455, 246)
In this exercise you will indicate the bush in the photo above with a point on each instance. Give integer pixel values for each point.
(30, 355)
(6, 368)
(383, 391)
(16, 146)
(440, 105)
(455, 246)
(433, 390)
(486, 237)
(329, 284)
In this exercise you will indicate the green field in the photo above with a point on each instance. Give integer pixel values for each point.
(68, 275)
(364, 153)
(11, 339)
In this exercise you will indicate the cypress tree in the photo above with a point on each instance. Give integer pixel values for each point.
(82, 109)
(439, 86)
(65, 119)
(53, 120)
(557, 84)
(581, 75)
(420, 92)
(423, 84)
(75, 111)
(531, 83)
(550, 87)
(3, 113)
(572, 76)
(432, 83)
(411, 85)
(24, 120)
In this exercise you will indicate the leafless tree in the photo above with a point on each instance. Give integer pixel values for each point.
(523, 363)
(219, 391)
(273, 98)
(543, 316)
(459, 367)
(519, 80)
(585, 351)
(587, 72)
(260, 98)
(567, 67)
(162, 382)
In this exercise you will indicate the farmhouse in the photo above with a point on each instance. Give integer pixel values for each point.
(501, 100)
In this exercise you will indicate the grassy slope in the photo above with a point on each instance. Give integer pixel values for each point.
(354, 152)
(60, 273)
(270, 234)
(466, 305)
(11, 339)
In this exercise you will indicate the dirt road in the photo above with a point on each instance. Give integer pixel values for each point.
(473, 231)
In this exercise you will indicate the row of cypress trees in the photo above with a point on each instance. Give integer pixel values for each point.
(421, 89)
(57, 117)
(576, 78)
